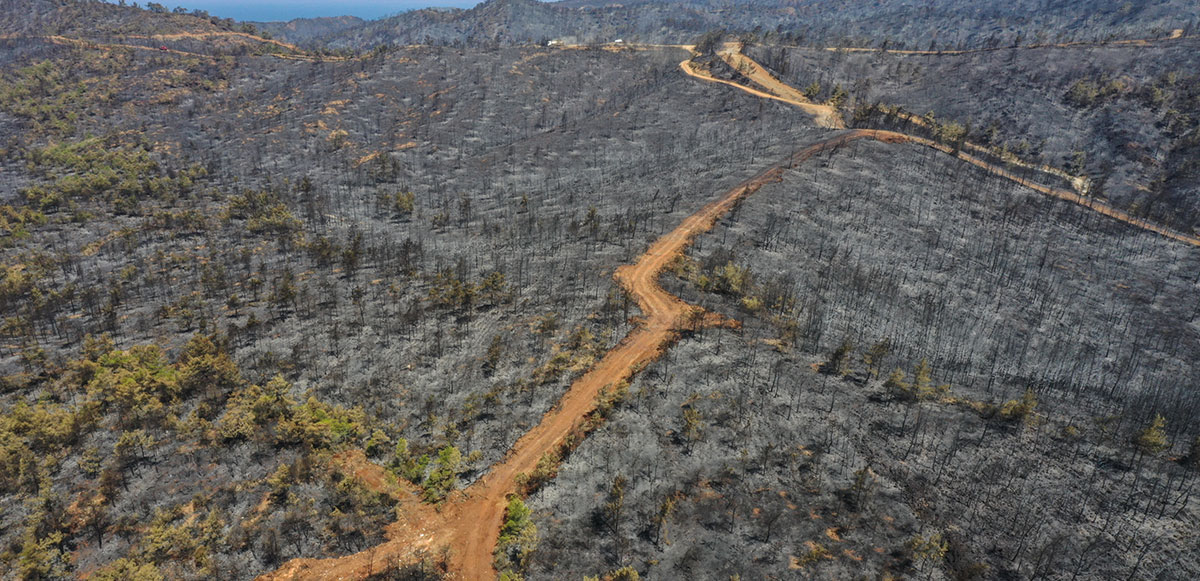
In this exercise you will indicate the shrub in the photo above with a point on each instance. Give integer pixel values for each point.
(1020, 410)
(518, 538)
(444, 476)
(1153, 439)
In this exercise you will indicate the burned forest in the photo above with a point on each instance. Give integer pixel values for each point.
(595, 290)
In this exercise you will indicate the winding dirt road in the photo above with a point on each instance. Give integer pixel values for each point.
(823, 114)
(827, 116)
(467, 525)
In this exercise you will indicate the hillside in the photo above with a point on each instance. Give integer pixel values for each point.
(466, 307)
(84, 18)
(756, 454)
(306, 30)
(1111, 112)
(96, 21)
(894, 22)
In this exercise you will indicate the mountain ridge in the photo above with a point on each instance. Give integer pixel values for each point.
(971, 25)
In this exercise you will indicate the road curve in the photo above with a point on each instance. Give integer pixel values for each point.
(468, 523)
(823, 115)
(757, 74)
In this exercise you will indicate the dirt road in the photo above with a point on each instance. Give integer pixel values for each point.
(757, 74)
(823, 115)
(468, 523)
(216, 34)
(1087, 202)
(732, 54)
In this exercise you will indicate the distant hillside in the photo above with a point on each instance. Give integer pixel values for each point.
(93, 18)
(151, 26)
(301, 30)
(947, 22)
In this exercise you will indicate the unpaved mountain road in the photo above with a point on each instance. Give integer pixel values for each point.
(822, 114)
(215, 34)
(827, 116)
(468, 523)
(466, 526)
(1070, 196)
